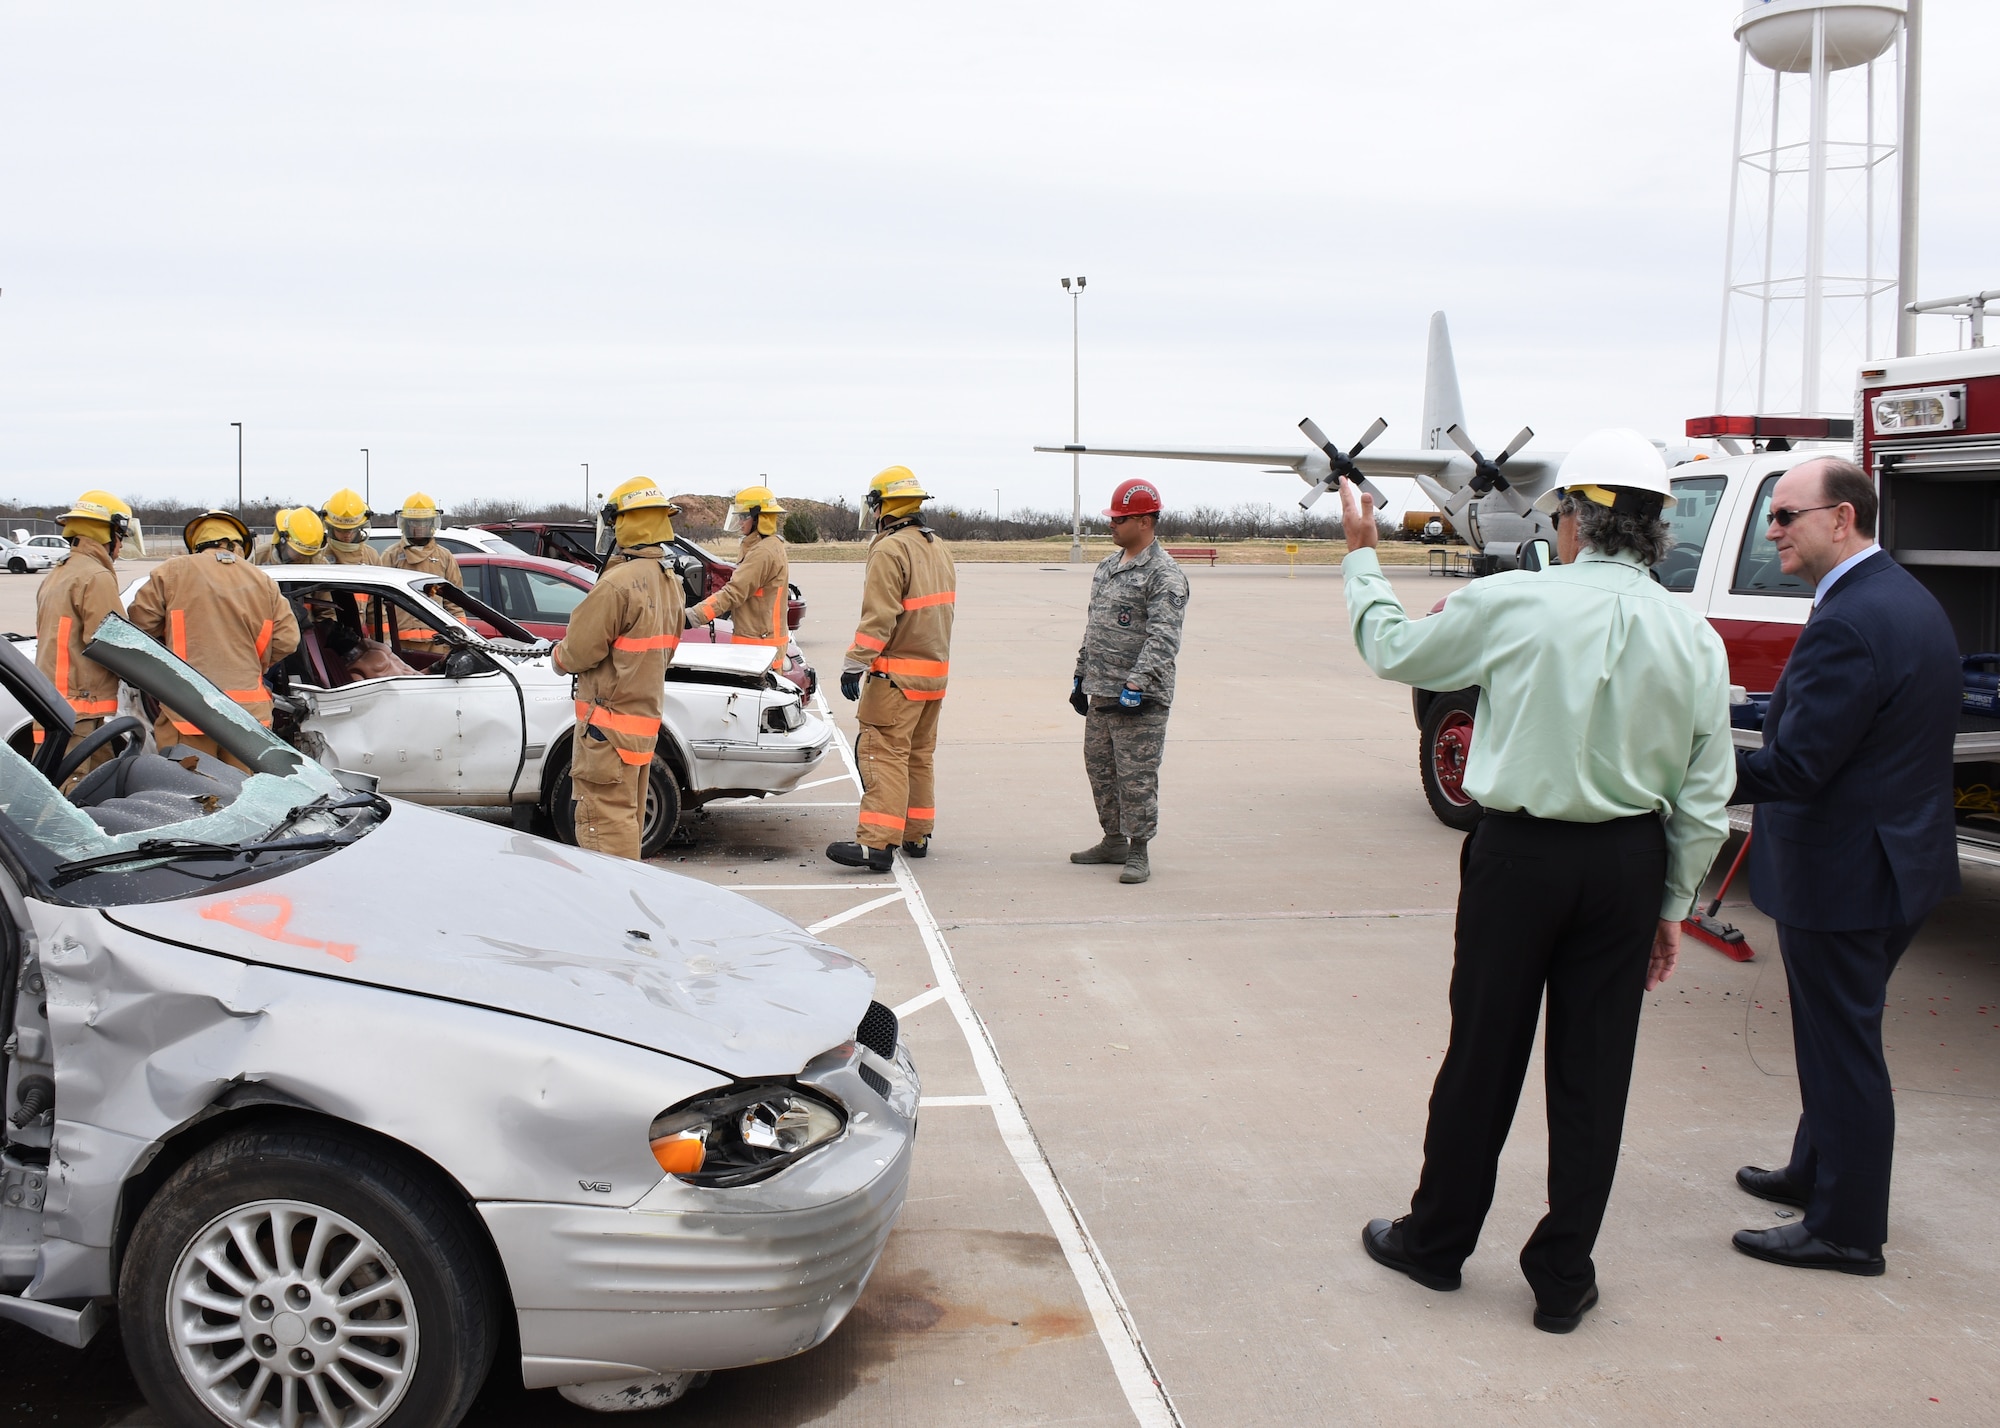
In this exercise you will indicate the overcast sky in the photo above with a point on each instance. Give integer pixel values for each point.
(491, 242)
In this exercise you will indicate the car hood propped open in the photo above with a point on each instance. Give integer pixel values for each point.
(440, 905)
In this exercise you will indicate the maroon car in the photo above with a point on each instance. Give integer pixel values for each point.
(540, 594)
(574, 541)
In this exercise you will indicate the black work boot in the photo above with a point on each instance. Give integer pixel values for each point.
(918, 847)
(1137, 869)
(860, 855)
(1111, 848)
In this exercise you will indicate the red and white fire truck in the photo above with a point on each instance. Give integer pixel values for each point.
(1928, 429)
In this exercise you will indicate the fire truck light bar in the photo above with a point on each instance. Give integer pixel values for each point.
(1791, 428)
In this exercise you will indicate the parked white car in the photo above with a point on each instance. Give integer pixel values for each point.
(331, 1097)
(459, 540)
(488, 722)
(28, 558)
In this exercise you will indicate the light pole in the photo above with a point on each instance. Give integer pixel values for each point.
(1075, 430)
(367, 490)
(996, 513)
(239, 463)
(586, 490)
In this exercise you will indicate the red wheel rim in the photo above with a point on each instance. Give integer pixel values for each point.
(1449, 753)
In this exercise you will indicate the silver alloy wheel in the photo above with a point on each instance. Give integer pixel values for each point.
(286, 1315)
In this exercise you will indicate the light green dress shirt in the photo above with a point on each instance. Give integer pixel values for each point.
(1600, 696)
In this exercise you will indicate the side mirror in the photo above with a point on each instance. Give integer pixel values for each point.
(1537, 554)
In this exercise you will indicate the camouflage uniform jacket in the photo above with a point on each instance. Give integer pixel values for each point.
(1133, 630)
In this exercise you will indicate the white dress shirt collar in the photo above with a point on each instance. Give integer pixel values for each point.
(1832, 577)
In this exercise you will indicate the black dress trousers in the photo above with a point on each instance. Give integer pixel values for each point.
(1570, 909)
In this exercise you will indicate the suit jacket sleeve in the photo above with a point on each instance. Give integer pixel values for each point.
(1830, 702)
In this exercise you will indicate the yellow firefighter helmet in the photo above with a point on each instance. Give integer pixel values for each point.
(302, 532)
(893, 493)
(418, 519)
(636, 513)
(758, 501)
(214, 527)
(345, 510)
(99, 515)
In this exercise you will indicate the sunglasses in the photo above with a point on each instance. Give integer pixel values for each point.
(1120, 520)
(1785, 517)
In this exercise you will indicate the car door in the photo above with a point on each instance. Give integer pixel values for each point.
(449, 732)
(1756, 608)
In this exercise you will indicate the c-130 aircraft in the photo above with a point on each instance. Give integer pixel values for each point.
(1490, 499)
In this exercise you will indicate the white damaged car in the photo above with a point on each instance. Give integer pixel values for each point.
(326, 1144)
(467, 721)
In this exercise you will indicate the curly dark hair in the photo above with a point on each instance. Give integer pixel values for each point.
(1607, 532)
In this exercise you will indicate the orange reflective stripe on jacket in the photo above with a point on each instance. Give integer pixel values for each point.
(177, 640)
(62, 656)
(867, 642)
(642, 725)
(922, 668)
(263, 642)
(641, 643)
(93, 708)
(922, 694)
(924, 602)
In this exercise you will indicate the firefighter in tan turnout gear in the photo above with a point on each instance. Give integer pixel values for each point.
(72, 602)
(345, 515)
(221, 614)
(756, 597)
(418, 549)
(619, 643)
(897, 668)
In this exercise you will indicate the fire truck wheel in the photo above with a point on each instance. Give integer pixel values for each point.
(1443, 746)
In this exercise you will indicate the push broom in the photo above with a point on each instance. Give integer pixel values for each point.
(1722, 936)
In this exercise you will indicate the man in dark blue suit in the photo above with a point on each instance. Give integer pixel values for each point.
(1854, 843)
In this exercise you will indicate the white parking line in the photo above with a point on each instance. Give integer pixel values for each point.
(818, 782)
(853, 912)
(919, 1002)
(767, 803)
(1116, 1329)
(802, 887)
(925, 1101)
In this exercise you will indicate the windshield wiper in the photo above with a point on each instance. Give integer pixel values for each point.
(179, 850)
(374, 801)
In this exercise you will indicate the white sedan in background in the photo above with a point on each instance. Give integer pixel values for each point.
(25, 558)
(486, 723)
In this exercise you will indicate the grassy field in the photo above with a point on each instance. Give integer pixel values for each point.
(1056, 552)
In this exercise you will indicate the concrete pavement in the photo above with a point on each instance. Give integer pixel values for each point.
(1227, 1070)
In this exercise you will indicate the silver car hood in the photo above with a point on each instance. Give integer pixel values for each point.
(445, 906)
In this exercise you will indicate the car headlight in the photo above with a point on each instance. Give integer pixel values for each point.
(740, 1136)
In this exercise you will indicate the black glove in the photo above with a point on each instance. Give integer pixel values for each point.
(1078, 700)
(850, 684)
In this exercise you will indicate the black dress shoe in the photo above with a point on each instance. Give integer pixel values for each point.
(859, 855)
(1550, 1323)
(1770, 1185)
(1383, 1239)
(1800, 1248)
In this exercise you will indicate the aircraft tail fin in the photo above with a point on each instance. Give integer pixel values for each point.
(1442, 406)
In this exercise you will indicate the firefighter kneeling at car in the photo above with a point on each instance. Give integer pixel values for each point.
(619, 643)
(756, 597)
(896, 667)
(72, 602)
(221, 614)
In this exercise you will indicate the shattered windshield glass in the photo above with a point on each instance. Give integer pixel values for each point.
(200, 797)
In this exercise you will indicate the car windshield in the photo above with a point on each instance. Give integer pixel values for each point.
(1688, 519)
(196, 797)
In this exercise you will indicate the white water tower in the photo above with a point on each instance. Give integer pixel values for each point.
(1810, 282)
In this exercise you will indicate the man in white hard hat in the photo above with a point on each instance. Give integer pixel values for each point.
(1604, 763)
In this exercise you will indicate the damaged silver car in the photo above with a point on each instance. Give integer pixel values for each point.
(315, 1089)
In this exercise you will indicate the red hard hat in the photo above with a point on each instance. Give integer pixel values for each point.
(1137, 497)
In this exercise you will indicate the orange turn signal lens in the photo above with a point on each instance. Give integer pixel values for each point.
(680, 1154)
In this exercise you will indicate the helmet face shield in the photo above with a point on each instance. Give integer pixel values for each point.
(607, 533)
(417, 530)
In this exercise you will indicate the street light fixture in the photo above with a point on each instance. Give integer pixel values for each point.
(239, 463)
(1075, 430)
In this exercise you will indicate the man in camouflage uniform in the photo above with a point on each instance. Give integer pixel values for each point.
(1124, 684)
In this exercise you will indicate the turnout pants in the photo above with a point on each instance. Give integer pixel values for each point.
(608, 814)
(1847, 1133)
(1122, 749)
(896, 753)
(1570, 909)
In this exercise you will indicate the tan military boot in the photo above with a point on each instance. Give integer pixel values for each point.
(1137, 869)
(1110, 849)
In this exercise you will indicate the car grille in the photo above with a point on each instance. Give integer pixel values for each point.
(877, 1032)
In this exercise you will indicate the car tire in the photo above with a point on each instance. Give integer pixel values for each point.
(1443, 745)
(18, 565)
(656, 827)
(344, 1209)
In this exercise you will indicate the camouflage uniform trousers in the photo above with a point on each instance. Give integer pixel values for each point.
(1122, 749)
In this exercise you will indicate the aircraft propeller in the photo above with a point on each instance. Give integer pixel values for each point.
(1487, 477)
(1342, 463)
